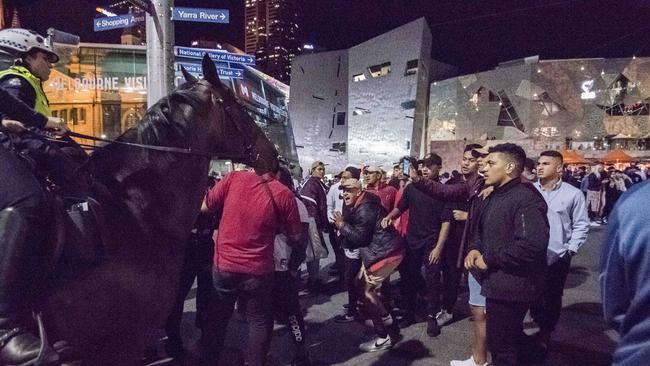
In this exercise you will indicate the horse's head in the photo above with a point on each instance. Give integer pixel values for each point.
(230, 132)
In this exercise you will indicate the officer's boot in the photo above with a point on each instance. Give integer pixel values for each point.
(18, 346)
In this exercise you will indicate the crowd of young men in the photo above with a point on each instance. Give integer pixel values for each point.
(514, 235)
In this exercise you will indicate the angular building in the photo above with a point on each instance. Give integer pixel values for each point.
(367, 104)
(271, 28)
(589, 105)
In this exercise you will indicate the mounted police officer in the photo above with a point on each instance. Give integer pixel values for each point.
(22, 198)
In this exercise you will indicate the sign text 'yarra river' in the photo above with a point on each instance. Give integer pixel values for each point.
(201, 15)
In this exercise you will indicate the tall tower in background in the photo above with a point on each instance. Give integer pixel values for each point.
(2, 14)
(271, 32)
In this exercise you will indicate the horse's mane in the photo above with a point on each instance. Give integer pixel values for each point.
(168, 119)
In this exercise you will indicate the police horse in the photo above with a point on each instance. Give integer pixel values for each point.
(149, 186)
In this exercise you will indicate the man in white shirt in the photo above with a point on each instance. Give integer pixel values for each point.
(569, 224)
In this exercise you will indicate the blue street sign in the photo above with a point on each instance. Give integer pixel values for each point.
(201, 15)
(119, 21)
(222, 71)
(217, 56)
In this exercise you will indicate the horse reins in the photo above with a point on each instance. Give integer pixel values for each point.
(179, 150)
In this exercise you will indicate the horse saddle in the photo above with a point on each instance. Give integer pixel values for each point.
(79, 231)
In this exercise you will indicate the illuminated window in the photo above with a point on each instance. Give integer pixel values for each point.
(358, 111)
(379, 70)
(508, 115)
(358, 77)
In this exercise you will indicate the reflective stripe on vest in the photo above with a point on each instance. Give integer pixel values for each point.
(42, 105)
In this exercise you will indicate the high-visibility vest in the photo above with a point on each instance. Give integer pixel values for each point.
(42, 105)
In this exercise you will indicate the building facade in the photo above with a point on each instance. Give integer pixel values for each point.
(101, 90)
(271, 34)
(589, 105)
(367, 104)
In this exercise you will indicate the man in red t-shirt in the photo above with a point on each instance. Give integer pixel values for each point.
(253, 210)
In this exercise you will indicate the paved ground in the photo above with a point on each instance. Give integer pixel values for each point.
(581, 338)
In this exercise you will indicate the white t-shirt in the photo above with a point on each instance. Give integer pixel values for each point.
(281, 250)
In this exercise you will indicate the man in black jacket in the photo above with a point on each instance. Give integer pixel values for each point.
(381, 250)
(508, 251)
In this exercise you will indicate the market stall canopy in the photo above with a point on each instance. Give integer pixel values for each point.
(617, 156)
(572, 157)
(621, 136)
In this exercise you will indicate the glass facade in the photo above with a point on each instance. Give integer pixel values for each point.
(591, 105)
(101, 90)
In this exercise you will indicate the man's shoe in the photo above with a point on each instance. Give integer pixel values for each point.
(377, 344)
(433, 330)
(443, 317)
(467, 362)
(594, 224)
(346, 318)
(19, 347)
(407, 321)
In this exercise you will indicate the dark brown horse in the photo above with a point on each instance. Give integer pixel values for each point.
(151, 200)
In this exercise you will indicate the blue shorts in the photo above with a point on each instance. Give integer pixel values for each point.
(475, 297)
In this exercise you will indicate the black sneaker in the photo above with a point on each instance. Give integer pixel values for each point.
(407, 321)
(433, 329)
(346, 318)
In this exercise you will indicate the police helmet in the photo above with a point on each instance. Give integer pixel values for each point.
(17, 42)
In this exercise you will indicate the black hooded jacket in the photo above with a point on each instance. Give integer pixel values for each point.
(362, 229)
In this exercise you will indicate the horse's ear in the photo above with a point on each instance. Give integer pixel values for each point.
(210, 71)
(188, 77)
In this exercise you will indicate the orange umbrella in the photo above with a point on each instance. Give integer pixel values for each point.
(617, 156)
(572, 157)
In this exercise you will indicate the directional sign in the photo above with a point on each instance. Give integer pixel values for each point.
(222, 71)
(119, 21)
(215, 55)
(201, 15)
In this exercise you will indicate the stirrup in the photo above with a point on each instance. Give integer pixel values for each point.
(46, 355)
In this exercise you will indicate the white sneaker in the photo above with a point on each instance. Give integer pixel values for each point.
(443, 317)
(388, 321)
(467, 362)
(594, 224)
(377, 344)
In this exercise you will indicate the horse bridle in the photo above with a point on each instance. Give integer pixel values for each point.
(250, 151)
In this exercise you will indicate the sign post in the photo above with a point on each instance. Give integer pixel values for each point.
(160, 50)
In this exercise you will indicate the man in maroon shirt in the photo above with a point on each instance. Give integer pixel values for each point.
(253, 210)
(372, 177)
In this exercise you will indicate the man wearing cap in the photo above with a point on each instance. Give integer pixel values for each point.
(372, 176)
(314, 193)
(381, 250)
(422, 236)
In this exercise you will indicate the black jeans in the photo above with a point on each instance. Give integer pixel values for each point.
(420, 277)
(451, 275)
(287, 307)
(256, 289)
(412, 281)
(352, 267)
(197, 264)
(504, 330)
(546, 312)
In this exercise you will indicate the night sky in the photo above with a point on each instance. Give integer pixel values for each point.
(474, 35)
